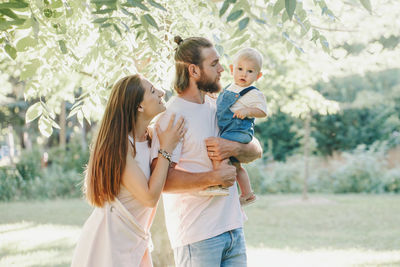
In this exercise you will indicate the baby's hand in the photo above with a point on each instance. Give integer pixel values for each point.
(240, 113)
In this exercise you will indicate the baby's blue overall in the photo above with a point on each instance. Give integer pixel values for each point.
(231, 128)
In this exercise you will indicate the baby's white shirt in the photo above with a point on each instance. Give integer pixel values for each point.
(253, 99)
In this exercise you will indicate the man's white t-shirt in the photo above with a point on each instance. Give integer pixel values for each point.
(190, 217)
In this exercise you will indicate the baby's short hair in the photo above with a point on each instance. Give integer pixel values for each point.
(249, 54)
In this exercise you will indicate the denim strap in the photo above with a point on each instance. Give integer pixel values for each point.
(246, 90)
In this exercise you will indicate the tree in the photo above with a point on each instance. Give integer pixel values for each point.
(60, 47)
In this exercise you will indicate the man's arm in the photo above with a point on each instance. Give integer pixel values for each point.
(180, 181)
(220, 149)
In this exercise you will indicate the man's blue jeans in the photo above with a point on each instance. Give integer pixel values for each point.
(227, 249)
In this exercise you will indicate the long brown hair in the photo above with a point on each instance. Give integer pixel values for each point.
(108, 156)
(187, 52)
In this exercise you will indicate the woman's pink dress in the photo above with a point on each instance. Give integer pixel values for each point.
(118, 233)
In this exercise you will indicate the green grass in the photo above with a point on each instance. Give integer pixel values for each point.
(327, 230)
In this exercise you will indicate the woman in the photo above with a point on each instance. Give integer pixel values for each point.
(118, 181)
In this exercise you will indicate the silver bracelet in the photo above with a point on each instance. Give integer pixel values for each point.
(165, 154)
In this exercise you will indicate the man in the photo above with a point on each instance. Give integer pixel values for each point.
(203, 230)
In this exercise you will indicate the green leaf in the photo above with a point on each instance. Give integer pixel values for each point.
(27, 25)
(235, 15)
(100, 20)
(24, 43)
(69, 12)
(112, 43)
(55, 125)
(152, 41)
(9, 13)
(56, 4)
(285, 17)
(136, 3)
(29, 69)
(240, 41)
(117, 29)
(224, 7)
(63, 47)
(4, 25)
(150, 20)
(156, 5)
(104, 11)
(307, 26)
(10, 51)
(366, 4)
(315, 35)
(105, 25)
(290, 6)
(35, 27)
(302, 14)
(220, 49)
(126, 12)
(73, 112)
(14, 4)
(289, 46)
(45, 126)
(279, 5)
(33, 112)
(324, 43)
(243, 23)
(104, 2)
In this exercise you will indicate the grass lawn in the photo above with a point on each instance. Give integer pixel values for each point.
(282, 230)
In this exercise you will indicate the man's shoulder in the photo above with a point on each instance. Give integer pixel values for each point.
(210, 100)
(171, 101)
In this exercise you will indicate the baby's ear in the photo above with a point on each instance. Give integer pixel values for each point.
(259, 75)
(231, 68)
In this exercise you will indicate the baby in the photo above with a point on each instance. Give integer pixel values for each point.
(237, 106)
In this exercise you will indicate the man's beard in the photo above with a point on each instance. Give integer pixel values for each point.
(206, 85)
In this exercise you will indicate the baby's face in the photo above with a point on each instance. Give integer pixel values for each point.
(245, 72)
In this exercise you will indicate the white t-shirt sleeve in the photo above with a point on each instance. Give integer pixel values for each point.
(254, 98)
(163, 121)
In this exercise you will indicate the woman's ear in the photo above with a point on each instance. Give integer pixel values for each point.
(140, 108)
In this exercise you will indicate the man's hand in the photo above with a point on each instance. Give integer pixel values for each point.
(219, 148)
(226, 174)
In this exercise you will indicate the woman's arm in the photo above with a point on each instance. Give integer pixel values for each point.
(146, 192)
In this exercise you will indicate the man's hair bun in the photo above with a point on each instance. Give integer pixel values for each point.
(178, 39)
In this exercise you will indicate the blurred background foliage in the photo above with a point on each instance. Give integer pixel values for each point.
(331, 78)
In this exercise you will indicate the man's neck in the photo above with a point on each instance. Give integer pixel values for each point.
(193, 94)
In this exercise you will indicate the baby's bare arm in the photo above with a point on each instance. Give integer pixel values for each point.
(249, 112)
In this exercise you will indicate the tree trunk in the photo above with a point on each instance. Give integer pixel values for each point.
(11, 144)
(306, 155)
(63, 125)
(27, 139)
(83, 137)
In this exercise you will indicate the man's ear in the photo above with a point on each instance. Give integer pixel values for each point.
(194, 71)
(231, 68)
(259, 75)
